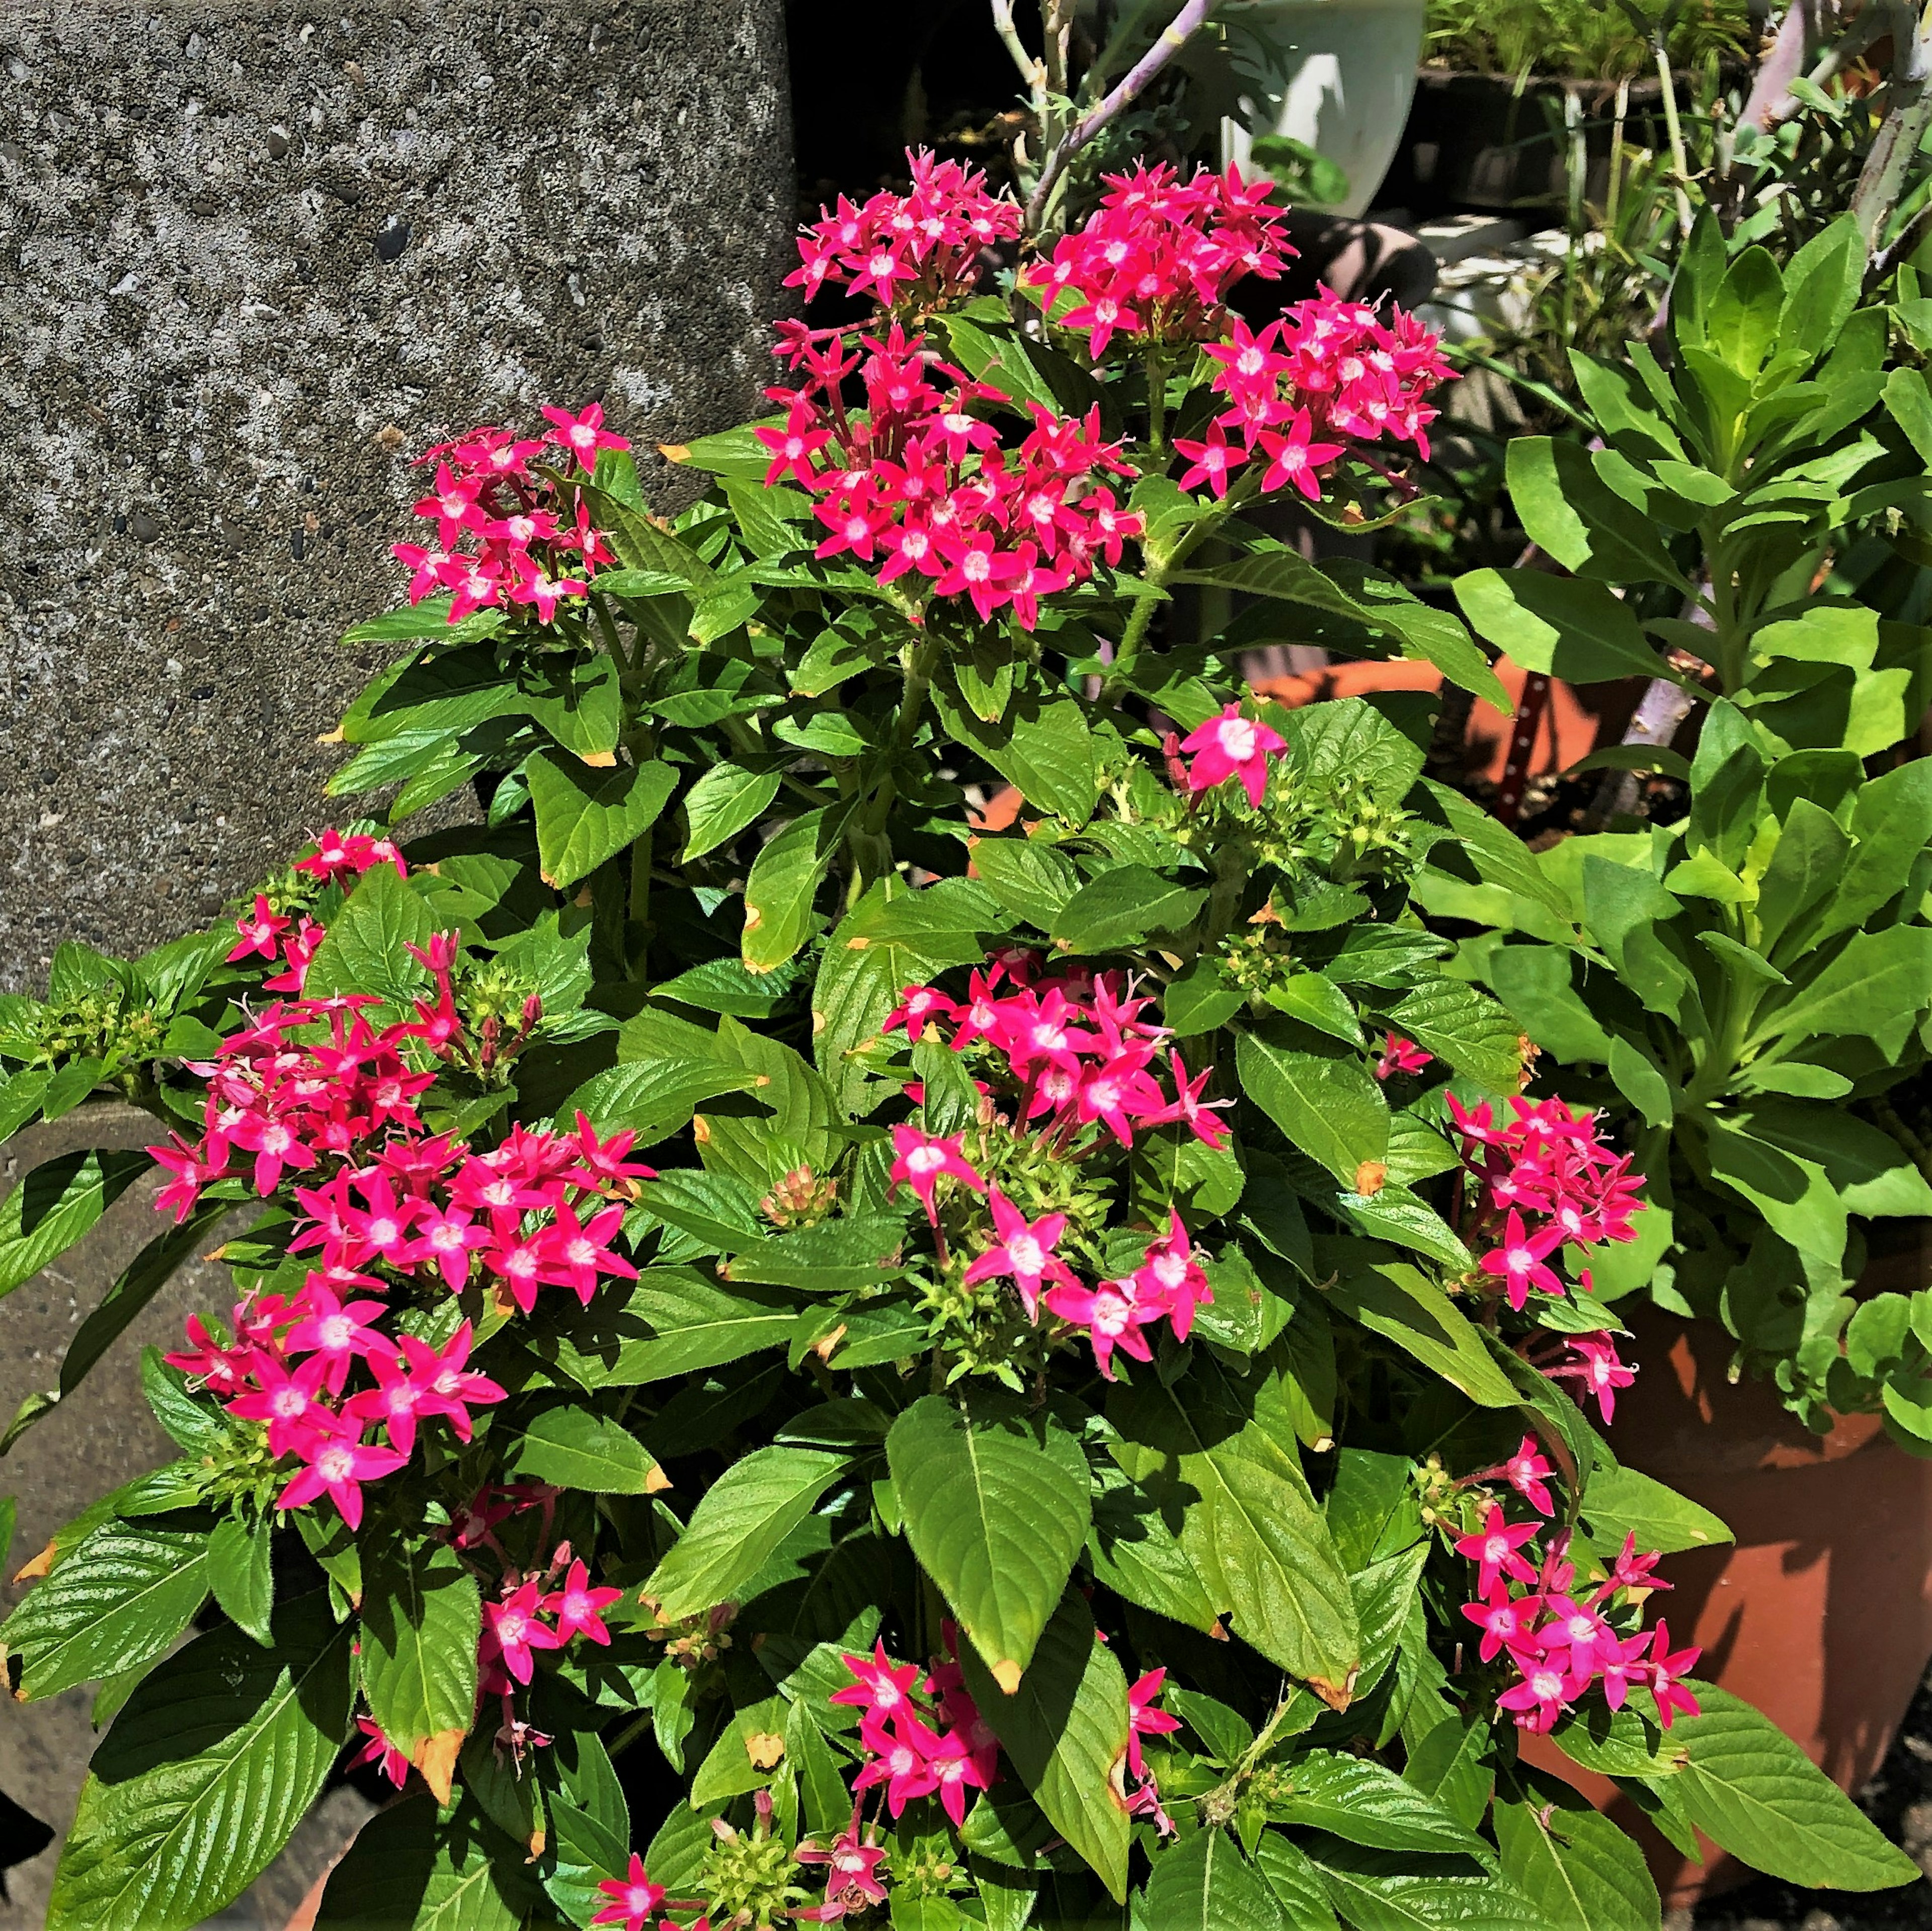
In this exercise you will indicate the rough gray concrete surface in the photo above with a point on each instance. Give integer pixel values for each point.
(253, 254)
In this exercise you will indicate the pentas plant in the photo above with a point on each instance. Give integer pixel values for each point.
(891, 1292)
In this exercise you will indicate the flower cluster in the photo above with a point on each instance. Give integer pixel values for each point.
(1077, 1067)
(339, 858)
(508, 530)
(1328, 374)
(1544, 1179)
(917, 482)
(1560, 1642)
(1154, 262)
(921, 1734)
(909, 251)
(384, 1202)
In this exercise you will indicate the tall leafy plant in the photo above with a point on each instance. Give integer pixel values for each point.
(1752, 980)
(797, 1360)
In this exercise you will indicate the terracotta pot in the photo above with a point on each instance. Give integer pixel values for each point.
(1821, 1613)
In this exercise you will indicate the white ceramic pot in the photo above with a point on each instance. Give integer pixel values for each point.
(1345, 78)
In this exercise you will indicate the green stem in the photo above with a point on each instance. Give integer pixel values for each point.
(1679, 161)
(1156, 381)
(1140, 617)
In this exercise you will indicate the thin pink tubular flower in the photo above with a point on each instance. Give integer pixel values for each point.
(1112, 1315)
(291, 1404)
(1519, 1263)
(275, 1144)
(899, 1761)
(1025, 1251)
(1144, 1720)
(1665, 1673)
(1548, 1688)
(392, 1403)
(1494, 1547)
(1231, 746)
(338, 1465)
(578, 1256)
(219, 1368)
(449, 1386)
(193, 1168)
(512, 1631)
(922, 1160)
(1202, 1116)
(337, 1334)
(1598, 1368)
(444, 1237)
(1401, 1056)
(579, 1608)
(1506, 1621)
(956, 1769)
(1294, 460)
(883, 1689)
(1526, 1472)
(1118, 1093)
(1170, 1278)
(920, 1006)
(261, 931)
(1579, 1633)
(583, 434)
(379, 1751)
(633, 1897)
(1210, 460)
(851, 1883)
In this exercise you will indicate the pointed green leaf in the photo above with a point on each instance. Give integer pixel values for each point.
(1747, 1785)
(744, 1516)
(585, 815)
(421, 1615)
(212, 1762)
(1575, 1866)
(1205, 1884)
(57, 1203)
(408, 1870)
(577, 1448)
(725, 801)
(1319, 1093)
(118, 1600)
(241, 1574)
(996, 1506)
(1065, 1732)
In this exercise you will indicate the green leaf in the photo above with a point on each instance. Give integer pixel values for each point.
(1448, 1764)
(894, 937)
(1535, 983)
(137, 1285)
(1223, 1457)
(57, 1203)
(1121, 907)
(1402, 1304)
(1297, 1885)
(118, 1600)
(677, 1321)
(1823, 283)
(653, 1098)
(585, 816)
(1132, 1549)
(410, 1870)
(996, 1506)
(1046, 749)
(1064, 1730)
(213, 1761)
(580, 706)
(784, 878)
(1747, 1785)
(577, 1448)
(745, 1514)
(1365, 1802)
(367, 948)
(1617, 1501)
(1563, 627)
(1498, 856)
(1205, 1884)
(1637, 1079)
(1874, 988)
(421, 1617)
(1460, 1023)
(1318, 1093)
(241, 1575)
(725, 801)
(1567, 510)
(1388, 1890)
(1577, 1868)
(1032, 880)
